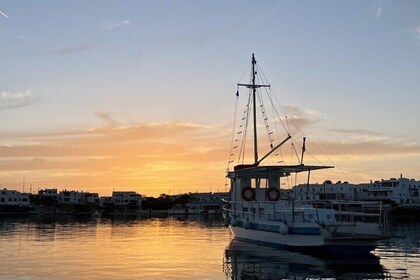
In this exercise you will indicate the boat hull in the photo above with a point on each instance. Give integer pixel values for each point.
(304, 242)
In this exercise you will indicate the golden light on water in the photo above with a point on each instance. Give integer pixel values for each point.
(199, 247)
(115, 249)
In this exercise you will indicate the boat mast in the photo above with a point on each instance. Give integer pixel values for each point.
(254, 107)
(254, 89)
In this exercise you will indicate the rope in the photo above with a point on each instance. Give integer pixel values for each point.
(233, 132)
(244, 130)
(285, 122)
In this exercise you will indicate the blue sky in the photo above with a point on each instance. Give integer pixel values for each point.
(68, 67)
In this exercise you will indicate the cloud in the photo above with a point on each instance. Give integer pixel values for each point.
(9, 100)
(105, 116)
(143, 140)
(368, 147)
(363, 132)
(113, 25)
(378, 12)
(418, 30)
(299, 118)
(155, 155)
(71, 49)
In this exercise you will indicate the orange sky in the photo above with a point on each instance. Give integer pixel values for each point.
(177, 157)
(140, 95)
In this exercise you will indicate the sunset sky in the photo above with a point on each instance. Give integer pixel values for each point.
(140, 95)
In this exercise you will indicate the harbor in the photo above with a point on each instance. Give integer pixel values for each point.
(398, 196)
(209, 140)
(65, 202)
(181, 248)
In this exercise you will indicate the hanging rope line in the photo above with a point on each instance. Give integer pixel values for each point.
(288, 120)
(231, 152)
(271, 117)
(244, 129)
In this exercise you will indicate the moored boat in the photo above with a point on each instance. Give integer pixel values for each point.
(257, 213)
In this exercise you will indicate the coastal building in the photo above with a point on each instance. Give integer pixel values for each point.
(78, 198)
(92, 198)
(105, 201)
(121, 201)
(13, 198)
(395, 192)
(327, 190)
(207, 203)
(126, 198)
(48, 195)
(70, 197)
(201, 203)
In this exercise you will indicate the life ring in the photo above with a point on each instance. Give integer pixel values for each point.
(248, 194)
(272, 194)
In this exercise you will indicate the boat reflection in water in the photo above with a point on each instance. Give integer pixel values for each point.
(244, 260)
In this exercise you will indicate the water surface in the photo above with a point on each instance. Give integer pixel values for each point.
(180, 248)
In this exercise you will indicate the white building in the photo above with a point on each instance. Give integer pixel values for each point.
(49, 194)
(92, 198)
(13, 198)
(105, 201)
(70, 197)
(401, 191)
(327, 190)
(202, 203)
(78, 198)
(397, 192)
(126, 198)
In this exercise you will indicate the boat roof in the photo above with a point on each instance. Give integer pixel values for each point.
(253, 171)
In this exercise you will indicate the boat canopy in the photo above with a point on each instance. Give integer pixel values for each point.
(261, 172)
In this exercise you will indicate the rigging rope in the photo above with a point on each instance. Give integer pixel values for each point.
(288, 120)
(231, 153)
(265, 118)
(272, 137)
(244, 130)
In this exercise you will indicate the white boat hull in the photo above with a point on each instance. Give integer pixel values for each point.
(288, 240)
(305, 241)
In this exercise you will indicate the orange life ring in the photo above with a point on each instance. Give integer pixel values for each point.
(248, 193)
(272, 194)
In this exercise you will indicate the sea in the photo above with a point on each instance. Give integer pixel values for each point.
(193, 247)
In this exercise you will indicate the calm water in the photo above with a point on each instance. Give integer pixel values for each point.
(170, 248)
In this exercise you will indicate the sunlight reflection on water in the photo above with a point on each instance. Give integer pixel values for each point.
(171, 248)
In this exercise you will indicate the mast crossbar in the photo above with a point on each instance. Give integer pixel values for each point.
(253, 86)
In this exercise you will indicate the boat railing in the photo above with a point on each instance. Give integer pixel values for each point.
(345, 211)
(265, 211)
(357, 211)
